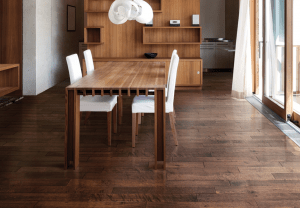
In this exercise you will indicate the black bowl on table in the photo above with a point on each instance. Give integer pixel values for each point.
(150, 55)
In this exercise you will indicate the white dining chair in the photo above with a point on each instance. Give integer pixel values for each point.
(95, 103)
(89, 62)
(145, 104)
(168, 80)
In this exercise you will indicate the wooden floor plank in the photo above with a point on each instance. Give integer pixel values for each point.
(229, 156)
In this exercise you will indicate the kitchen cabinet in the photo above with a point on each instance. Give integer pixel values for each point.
(216, 56)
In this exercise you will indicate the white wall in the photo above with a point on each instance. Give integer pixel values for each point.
(47, 42)
(43, 43)
(213, 18)
(29, 47)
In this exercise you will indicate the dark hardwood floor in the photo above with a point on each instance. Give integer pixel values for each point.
(229, 155)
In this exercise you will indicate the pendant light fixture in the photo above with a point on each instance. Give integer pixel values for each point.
(123, 10)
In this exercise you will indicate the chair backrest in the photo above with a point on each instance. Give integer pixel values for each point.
(172, 83)
(170, 67)
(89, 61)
(74, 68)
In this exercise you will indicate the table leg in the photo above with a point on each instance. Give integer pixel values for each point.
(160, 134)
(72, 133)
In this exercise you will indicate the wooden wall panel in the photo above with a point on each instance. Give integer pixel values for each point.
(126, 41)
(11, 41)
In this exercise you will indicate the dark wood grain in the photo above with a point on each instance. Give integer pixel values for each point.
(11, 36)
(229, 155)
(111, 78)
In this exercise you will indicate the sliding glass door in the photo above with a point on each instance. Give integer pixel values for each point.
(276, 73)
(275, 51)
(296, 59)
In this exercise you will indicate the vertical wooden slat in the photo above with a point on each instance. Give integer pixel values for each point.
(72, 127)
(76, 138)
(160, 127)
(115, 118)
(288, 62)
(120, 109)
(133, 129)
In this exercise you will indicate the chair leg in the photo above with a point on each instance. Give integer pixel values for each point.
(140, 118)
(87, 115)
(137, 125)
(109, 128)
(115, 116)
(133, 128)
(172, 122)
(120, 109)
(174, 114)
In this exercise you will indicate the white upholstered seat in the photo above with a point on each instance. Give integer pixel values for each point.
(93, 104)
(145, 104)
(98, 103)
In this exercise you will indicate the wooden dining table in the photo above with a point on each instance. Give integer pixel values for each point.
(117, 78)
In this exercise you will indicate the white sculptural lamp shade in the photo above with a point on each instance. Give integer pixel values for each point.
(123, 10)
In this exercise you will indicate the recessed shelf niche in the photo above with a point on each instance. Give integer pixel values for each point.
(172, 35)
(97, 6)
(92, 35)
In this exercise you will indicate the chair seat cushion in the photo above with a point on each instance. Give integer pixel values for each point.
(144, 104)
(165, 91)
(98, 103)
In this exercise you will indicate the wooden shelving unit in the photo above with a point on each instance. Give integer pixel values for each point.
(92, 35)
(128, 42)
(172, 35)
(9, 78)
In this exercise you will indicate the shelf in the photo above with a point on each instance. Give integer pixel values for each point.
(185, 35)
(92, 35)
(97, 6)
(156, 5)
(9, 78)
(7, 90)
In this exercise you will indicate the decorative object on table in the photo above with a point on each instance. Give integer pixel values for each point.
(175, 23)
(195, 20)
(149, 24)
(150, 55)
(123, 10)
(71, 11)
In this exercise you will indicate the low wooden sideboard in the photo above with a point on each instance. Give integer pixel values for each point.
(190, 70)
(9, 78)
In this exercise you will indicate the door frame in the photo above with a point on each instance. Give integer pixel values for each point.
(287, 108)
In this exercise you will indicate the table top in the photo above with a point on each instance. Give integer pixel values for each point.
(124, 75)
(7, 66)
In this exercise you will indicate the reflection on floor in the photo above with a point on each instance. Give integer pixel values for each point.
(284, 126)
(229, 155)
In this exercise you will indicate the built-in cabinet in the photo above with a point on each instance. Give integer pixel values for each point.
(217, 55)
(129, 41)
